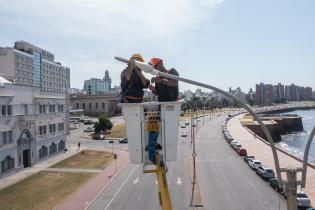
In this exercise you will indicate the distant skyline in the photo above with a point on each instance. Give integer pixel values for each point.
(220, 42)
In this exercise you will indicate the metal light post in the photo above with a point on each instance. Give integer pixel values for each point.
(291, 184)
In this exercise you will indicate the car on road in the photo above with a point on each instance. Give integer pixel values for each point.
(88, 129)
(248, 157)
(123, 141)
(302, 199)
(241, 151)
(184, 134)
(265, 172)
(183, 125)
(88, 122)
(186, 122)
(274, 183)
(254, 164)
(236, 146)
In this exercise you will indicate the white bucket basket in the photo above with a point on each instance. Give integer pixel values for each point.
(140, 118)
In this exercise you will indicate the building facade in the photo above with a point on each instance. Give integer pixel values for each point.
(97, 86)
(33, 126)
(34, 102)
(96, 104)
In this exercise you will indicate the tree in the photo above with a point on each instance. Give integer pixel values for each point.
(103, 124)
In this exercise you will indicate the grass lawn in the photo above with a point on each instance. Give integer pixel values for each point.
(43, 190)
(89, 159)
(118, 131)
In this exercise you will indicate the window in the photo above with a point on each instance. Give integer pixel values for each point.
(9, 134)
(96, 105)
(9, 110)
(4, 110)
(60, 108)
(4, 137)
(51, 108)
(25, 109)
(52, 128)
(103, 105)
(60, 126)
(90, 105)
(78, 105)
(83, 105)
(7, 164)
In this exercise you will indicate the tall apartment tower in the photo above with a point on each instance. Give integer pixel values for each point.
(34, 105)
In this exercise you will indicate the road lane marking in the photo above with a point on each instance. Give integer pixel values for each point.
(136, 180)
(179, 181)
(111, 200)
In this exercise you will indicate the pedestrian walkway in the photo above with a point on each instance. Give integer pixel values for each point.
(262, 152)
(24, 173)
(88, 193)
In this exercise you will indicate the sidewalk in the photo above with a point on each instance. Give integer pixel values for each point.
(262, 152)
(24, 173)
(89, 192)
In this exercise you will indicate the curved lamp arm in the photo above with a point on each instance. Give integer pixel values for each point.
(306, 152)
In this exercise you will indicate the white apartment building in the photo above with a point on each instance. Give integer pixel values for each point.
(34, 106)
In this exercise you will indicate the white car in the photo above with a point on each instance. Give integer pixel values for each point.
(186, 122)
(183, 125)
(254, 164)
(236, 146)
(265, 172)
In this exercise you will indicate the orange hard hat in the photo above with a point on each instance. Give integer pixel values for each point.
(137, 57)
(154, 61)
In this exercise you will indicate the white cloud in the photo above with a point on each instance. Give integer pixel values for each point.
(94, 31)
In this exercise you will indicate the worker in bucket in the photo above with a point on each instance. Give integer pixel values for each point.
(133, 81)
(167, 90)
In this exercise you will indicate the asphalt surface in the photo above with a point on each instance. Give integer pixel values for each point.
(224, 179)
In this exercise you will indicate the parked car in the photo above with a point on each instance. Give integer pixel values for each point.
(265, 172)
(274, 183)
(183, 125)
(88, 129)
(184, 134)
(241, 151)
(254, 164)
(302, 199)
(186, 122)
(88, 122)
(236, 146)
(123, 141)
(248, 157)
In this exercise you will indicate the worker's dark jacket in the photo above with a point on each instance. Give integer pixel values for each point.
(165, 92)
(132, 90)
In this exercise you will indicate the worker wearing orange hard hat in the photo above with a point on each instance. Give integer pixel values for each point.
(166, 89)
(133, 81)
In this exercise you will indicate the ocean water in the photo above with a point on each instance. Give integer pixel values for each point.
(295, 143)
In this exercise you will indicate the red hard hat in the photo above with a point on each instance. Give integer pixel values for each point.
(155, 61)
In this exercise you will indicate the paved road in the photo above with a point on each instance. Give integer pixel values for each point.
(134, 190)
(225, 180)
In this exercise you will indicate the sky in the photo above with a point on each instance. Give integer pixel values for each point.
(224, 43)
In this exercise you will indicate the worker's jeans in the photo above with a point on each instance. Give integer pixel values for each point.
(153, 136)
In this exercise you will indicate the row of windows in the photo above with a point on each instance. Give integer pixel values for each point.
(6, 137)
(51, 108)
(21, 58)
(52, 128)
(43, 152)
(90, 105)
(23, 66)
(53, 90)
